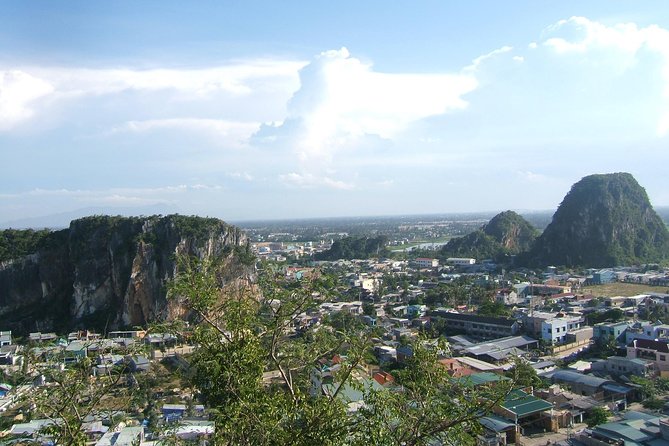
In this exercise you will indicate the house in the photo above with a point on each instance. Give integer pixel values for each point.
(173, 412)
(423, 262)
(589, 385)
(126, 436)
(603, 276)
(75, 351)
(653, 350)
(554, 330)
(622, 366)
(42, 337)
(5, 338)
(9, 354)
(482, 326)
(500, 350)
(458, 261)
(635, 428)
(613, 330)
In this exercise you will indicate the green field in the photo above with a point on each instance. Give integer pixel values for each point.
(621, 289)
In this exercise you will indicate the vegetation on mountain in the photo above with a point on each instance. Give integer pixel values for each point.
(104, 272)
(17, 243)
(505, 234)
(355, 248)
(604, 220)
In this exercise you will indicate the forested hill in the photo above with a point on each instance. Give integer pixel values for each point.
(507, 233)
(604, 220)
(103, 271)
(355, 248)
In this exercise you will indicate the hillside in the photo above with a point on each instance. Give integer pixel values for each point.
(507, 233)
(604, 220)
(103, 272)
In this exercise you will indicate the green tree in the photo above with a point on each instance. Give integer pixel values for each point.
(596, 416)
(246, 333)
(523, 374)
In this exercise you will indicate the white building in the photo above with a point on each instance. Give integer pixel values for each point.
(424, 262)
(554, 330)
(460, 261)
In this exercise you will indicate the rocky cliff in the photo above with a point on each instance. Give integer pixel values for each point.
(107, 272)
(507, 233)
(605, 220)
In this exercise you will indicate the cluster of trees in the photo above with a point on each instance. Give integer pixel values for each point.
(356, 248)
(16, 243)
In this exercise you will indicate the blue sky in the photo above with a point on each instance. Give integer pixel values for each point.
(251, 110)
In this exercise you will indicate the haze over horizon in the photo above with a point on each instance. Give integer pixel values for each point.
(270, 110)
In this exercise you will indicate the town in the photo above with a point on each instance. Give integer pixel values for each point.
(594, 344)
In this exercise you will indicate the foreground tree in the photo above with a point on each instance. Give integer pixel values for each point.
(258, 359)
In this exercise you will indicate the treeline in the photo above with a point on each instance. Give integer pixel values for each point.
(355, 248)
(17, 243)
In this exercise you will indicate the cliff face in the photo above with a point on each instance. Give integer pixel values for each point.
(107, 271)
(605, 220)
(506, 233)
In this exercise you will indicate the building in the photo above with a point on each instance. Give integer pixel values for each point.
(424, 262)
(652, 350)
(5, 338)
(552, 327)
(622, 366)
(459, 261)
(599, 388)
(615, 330)
(501, 349)
(482, 326)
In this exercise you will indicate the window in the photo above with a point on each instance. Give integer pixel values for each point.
(663, 358)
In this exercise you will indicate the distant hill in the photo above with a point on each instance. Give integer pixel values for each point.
(604, 220)
(507, 233)
(355, 248)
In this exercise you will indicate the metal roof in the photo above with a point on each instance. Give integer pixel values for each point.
(569, 376)
(523, 404)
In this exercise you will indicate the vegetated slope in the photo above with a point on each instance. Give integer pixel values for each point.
(507, 233)
(604, 220)
(107, 271)
(355, 248)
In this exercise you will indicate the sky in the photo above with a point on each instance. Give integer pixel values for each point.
(249, 110)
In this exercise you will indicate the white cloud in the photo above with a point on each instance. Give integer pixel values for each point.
(342, 99)
(308, 181)
(18, 90)
(235, 134)
(235, 78)
(620, 47)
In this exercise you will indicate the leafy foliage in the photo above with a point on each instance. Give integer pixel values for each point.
(505, 234)
(16, 243)
(605, 220)
(259, 369)
(598, 415)
(355, 248)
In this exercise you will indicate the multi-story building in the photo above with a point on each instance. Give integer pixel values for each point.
(481, 326)
(424, 262)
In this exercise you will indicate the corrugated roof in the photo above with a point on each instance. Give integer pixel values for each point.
(523, 404)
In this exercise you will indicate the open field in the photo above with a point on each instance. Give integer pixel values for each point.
(622, 289)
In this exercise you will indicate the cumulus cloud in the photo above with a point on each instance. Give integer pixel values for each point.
(259, 87)
(230, 133)
(18, 90)
(621, 47)
(341, 99)
(308, 181)
(236, 78)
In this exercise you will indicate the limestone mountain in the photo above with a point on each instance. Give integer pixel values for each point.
(103, 272)
(604, 220)
(507, 233)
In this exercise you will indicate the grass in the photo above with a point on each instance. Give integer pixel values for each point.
(622, 289)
